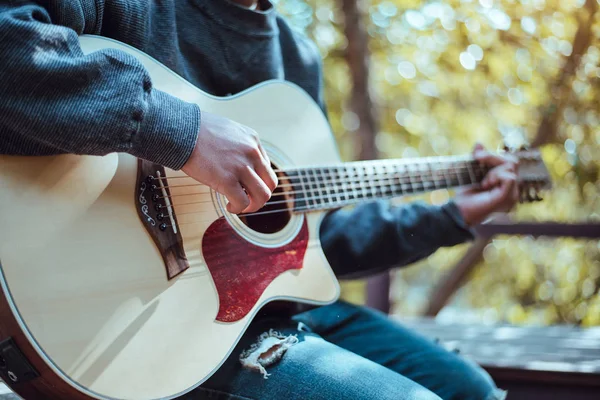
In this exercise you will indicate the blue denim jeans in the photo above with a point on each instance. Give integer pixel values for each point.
(349, 352)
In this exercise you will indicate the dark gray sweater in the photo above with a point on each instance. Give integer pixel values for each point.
(54, 100)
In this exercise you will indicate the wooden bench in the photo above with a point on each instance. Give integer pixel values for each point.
(550, 363)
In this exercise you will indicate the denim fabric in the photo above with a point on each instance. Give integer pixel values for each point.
(350, 352)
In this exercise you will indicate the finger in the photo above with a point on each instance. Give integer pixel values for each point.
(486, 158)
(257, 190)
(264, 169)
(235, 194)
(266, 173)
(478, 147)
(508, 184)
(516, 192)
(490, 180)
(264, 152)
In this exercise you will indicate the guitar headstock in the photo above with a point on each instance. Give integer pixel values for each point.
(533, 175)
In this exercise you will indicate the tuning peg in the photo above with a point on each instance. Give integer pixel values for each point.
(522, 198)
(523, 193)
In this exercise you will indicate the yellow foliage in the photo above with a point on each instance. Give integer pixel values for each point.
(447, 74)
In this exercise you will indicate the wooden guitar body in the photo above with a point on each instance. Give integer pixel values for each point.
(124, 280)
(87, 297)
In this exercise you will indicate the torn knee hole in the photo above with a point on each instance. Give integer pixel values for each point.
(268, 349)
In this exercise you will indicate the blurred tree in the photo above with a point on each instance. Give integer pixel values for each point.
(445, 74)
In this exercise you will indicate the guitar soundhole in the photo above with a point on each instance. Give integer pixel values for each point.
(275, 215)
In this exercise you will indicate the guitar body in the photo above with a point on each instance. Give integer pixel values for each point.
(87, 295)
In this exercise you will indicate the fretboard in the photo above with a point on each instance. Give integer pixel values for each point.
(333, 186)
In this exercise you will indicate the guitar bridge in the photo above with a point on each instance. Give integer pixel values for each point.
(152, 198)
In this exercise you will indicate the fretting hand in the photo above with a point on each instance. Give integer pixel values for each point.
(229, 158)
(499, 190)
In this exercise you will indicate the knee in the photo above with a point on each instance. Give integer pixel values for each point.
(466, 380)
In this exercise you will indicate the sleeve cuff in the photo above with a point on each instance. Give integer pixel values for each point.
(168, 130)
(463, 231)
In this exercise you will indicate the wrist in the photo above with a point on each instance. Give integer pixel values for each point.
(463, 230)
(167, 132)
(464, 211)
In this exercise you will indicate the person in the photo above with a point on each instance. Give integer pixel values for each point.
(54, 99)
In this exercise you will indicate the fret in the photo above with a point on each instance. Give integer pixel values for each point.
(350, 185)
(340, 185)
(458, 174)
(320, 177)
(326, 186)
(388, 181)
(421, 178)
(403, 178)
(313, 187)
(480, 172)
(356, 182)
(305, 182)
(390, 173)
(343, 186)
(425, 180)
(365, 189)
(387, 188)
(411, 172)
(299, 190)
(333, 183)
(446, 173)
(327, 183)
(397, 177)
(362, 186)
(372, 179)
(434, 178)
(471, 173)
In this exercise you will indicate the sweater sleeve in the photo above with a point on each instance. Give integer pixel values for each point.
(376, 236)
(54, 99)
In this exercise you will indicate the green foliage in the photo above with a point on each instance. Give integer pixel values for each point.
(447, 74)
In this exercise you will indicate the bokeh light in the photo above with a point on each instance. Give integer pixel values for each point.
(446, 74)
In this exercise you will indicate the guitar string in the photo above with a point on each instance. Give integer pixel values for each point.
(352, 185)
(308, 207)
(361, 177)
(373, 164)
(313, 172)
(354, 180)
(351, 190)
(301, 210)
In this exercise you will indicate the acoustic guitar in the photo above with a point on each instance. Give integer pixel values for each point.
(121, 279)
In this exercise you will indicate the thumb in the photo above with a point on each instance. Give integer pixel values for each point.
(478, 147)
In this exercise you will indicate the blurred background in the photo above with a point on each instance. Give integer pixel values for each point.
(411, 78)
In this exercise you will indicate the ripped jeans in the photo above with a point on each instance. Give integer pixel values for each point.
(350, 352)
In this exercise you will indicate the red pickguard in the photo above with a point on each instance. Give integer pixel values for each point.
(242, 271)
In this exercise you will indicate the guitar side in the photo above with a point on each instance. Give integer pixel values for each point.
(87, 298)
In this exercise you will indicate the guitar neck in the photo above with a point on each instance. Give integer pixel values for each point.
(332, 186)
